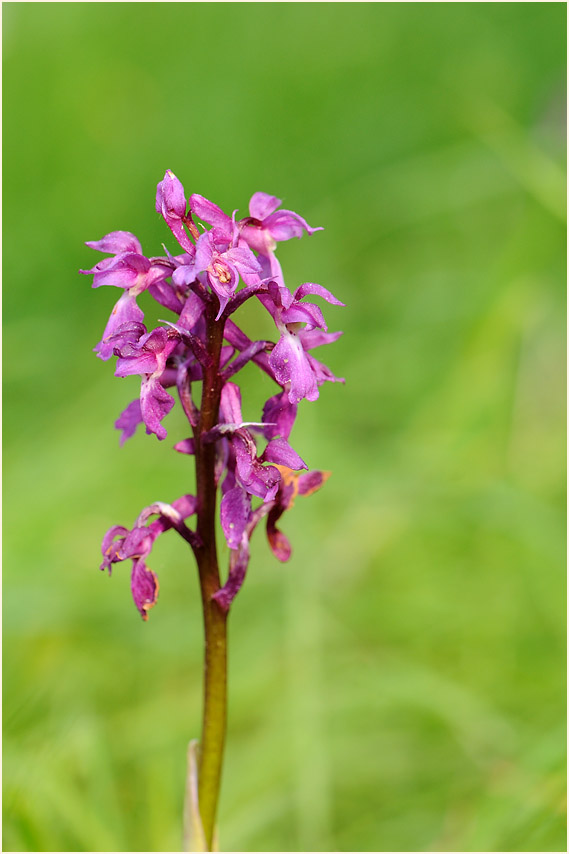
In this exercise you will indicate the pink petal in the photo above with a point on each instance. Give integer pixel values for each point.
(261, 205)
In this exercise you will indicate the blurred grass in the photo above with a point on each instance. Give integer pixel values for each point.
(399, 685)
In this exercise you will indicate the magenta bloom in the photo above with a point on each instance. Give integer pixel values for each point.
(194, 355)
(298, 322)
(266, 226)
(171, 203)
(121, 544)
(261, 231)
(128, 269)
(148, 357)
(222, 268)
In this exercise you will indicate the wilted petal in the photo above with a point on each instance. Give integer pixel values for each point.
(312, 481)
(237, 569)
(144, 587)
(137, 543)
(291, 485)
(185, 506)
(279, 543)
(159, 508)
(110, 546)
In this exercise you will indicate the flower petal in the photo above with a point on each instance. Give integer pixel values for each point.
(230, 405)
(317, 290)
(286, 224)
(322, 372)
(304, 312)
(144, 587)
(235, 510)
(125, 311)
(238, 563)
(211, 213)
(290, 364)
(311, 481)
(186, 446)
(279, 451)
(261, 205)
(317, 338)
(282, 413)
(155, 404)
(171, 203)
(116, 242)
(110, 546)
(279, 543)
(129, 420)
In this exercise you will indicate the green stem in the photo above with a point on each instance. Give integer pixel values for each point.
(215, 620)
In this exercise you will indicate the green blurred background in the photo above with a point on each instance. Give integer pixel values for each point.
(399, 685)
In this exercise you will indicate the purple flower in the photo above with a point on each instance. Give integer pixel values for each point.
(297, 322)
(147, 357)
(255, 468)
(291, 485)
(155, 404)
(171, 203)
(265, 227)
(247, 469)
(130, 270)
(125, 313)
(247, 474)
(222, 267)
(137, 543)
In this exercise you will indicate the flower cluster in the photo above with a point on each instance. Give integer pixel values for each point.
(215, 271)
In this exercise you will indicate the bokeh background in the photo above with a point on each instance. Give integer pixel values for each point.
(399, 685)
